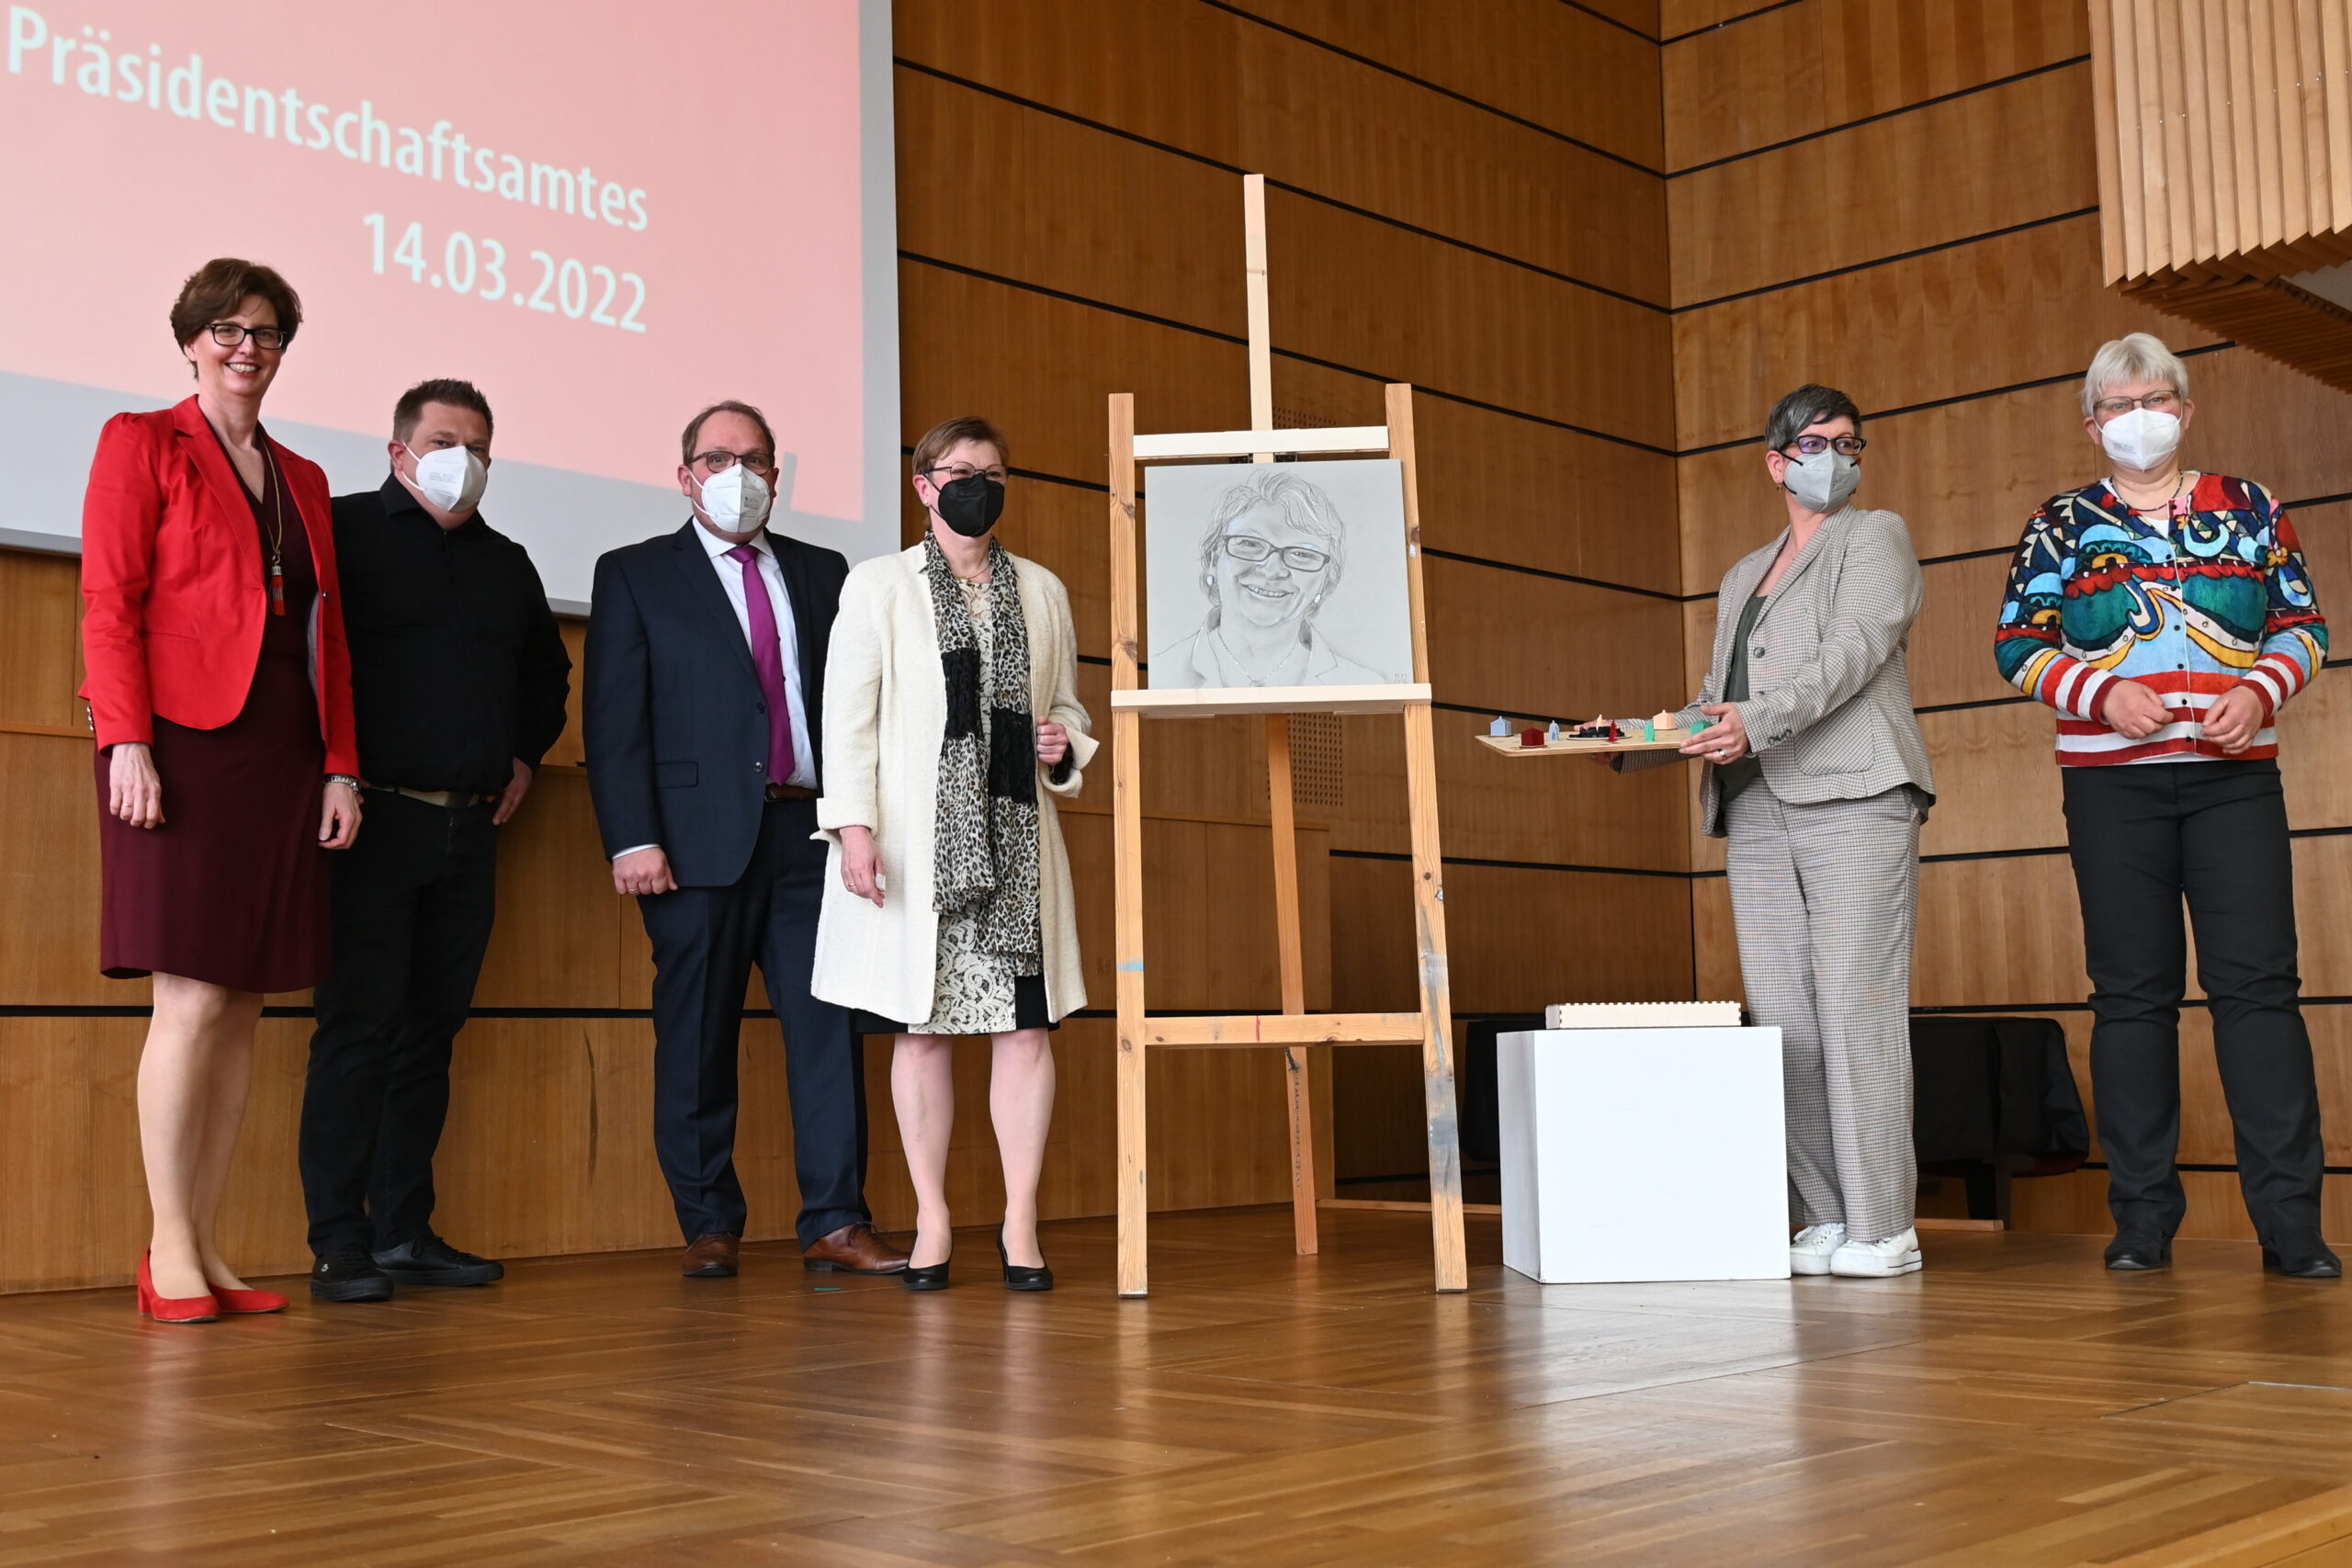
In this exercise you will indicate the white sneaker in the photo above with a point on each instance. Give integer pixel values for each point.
(1809, 1254)
(1877, 1259)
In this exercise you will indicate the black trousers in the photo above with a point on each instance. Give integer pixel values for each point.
(414, 899)
(2143, 838)
(705, 941)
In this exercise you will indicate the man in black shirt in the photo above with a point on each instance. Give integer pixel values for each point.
(458, 676)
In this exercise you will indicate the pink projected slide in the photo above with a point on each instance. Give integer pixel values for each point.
(605, 214)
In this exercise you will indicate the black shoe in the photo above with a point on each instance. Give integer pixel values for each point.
(429, 1260)
(2137, 1252)
(346, 1273)
(1021, 1277)
(933, 1277)
(2302, 1258)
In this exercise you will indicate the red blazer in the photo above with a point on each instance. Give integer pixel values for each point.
(174, 589)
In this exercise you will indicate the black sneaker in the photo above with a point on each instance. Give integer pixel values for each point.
(346, 1273)
(429, 1260)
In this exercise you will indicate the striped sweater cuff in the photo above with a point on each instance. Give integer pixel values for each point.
(2074, 687)
(2274, 679)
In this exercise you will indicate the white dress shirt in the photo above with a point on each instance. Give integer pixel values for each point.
(730, 578)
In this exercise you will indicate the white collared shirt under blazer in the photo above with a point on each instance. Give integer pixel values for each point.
(886, 716)
(1828, 710)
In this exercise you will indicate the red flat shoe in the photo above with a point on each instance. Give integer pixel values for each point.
(173, 1309)
(237, 1302)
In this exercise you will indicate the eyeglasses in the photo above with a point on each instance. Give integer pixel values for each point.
(1250, 547)
(717, 460)
(229, 334)
(956, 472)
(2156, 402)
(1813, 446)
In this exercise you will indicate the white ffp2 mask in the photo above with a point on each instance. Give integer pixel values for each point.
(451, 477)
(2142, 439)
(736, 502)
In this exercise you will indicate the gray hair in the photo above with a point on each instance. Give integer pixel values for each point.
(1808, 405)
(2134, 357)
(1298, 498)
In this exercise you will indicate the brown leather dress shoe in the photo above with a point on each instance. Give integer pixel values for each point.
(853, 1249)
(711, 1257)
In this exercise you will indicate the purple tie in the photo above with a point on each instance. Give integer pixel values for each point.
(767, 657)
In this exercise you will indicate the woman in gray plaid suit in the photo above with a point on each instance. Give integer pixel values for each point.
(1817, 773)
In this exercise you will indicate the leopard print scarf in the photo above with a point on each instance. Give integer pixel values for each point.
(987, 857)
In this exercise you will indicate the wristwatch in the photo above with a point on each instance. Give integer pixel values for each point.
(355, 785)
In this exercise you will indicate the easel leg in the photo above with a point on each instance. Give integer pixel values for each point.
(1135, 1195)
(1437, 1020)
(1297, 1069)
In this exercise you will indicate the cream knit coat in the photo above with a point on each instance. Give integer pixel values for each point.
(886, 714)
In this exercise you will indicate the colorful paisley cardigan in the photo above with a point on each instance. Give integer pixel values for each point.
(2213, 597)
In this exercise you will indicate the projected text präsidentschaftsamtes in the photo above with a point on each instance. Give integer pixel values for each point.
(85, 59)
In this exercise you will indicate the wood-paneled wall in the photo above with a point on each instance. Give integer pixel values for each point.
(1600, 256)
(1899, 199)
(1468, 198)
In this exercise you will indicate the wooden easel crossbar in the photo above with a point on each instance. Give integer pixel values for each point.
(1294, 1030)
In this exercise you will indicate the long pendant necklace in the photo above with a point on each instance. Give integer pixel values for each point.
(277, 537)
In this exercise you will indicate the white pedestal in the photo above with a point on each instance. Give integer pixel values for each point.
(1644, 1153)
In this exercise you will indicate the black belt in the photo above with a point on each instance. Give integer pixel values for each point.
(790, 791)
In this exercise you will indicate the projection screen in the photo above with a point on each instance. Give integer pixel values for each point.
(604, 215)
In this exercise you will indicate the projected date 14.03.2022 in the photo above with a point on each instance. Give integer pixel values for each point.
(477, 265)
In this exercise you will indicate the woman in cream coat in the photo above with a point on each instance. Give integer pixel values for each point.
(951, 723)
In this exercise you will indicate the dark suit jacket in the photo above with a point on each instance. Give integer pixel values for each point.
(676, 732)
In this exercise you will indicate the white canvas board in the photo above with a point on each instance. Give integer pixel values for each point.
(1325, 604)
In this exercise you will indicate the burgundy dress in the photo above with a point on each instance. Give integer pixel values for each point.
(232, 888)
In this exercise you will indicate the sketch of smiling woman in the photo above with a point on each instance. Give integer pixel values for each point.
(1272, 554)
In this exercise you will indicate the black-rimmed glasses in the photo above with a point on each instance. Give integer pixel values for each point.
(229, 334)
(1250, 547)
(717, 460)
(1845, 446)
(959, 471)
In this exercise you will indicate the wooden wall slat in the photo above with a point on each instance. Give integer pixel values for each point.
(546, 1150)
(1512, 55)
(1520, 939)
(1247, 96)
(1793, 69)
(986, 183)
(1475, 328)
(1947, 171)
(2041, 287)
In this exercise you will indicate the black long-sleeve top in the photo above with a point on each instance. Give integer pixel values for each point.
(457, 668)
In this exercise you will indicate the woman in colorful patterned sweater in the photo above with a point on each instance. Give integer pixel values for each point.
(2168, 614)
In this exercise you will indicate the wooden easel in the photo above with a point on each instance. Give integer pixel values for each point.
(1294, 1030)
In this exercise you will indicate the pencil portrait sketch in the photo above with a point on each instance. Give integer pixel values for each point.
(1278, 574)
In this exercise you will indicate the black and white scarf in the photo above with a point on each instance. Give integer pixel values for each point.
(987, 857)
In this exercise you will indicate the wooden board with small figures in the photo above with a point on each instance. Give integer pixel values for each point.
(1511, 746)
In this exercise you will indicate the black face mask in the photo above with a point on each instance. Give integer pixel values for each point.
(971, 505)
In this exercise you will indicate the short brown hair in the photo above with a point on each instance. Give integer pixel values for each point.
(440, 389)
(725, 405)
(220, 286)
(945, 436)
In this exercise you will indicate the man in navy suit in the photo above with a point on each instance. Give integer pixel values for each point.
(704, 720)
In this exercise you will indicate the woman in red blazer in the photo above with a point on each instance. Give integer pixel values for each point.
(221, 694)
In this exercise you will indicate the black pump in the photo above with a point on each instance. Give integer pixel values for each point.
(1019, 1277)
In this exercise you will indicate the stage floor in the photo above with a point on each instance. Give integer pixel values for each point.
(2015, 1404)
